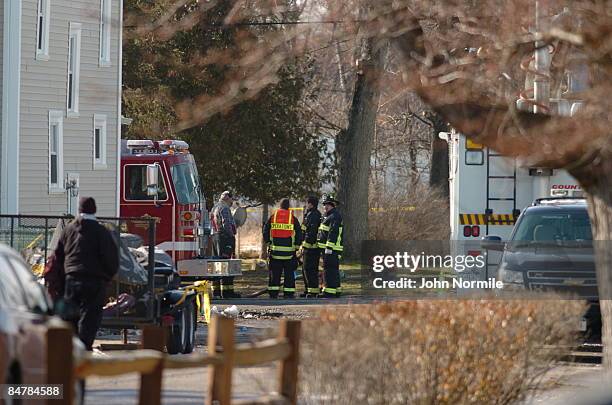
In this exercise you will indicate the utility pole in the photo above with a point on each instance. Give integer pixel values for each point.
(541, 83)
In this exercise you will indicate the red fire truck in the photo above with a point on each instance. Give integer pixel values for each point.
(160, 180)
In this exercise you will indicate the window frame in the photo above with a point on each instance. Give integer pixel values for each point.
(99, 122)
(147, 201)
(104, 54)
(56, 118)
(43, 8)
(72, 92)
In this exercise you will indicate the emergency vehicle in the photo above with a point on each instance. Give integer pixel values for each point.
(160, 179)
(488, 191)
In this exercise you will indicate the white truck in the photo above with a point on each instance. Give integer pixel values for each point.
(488, 191)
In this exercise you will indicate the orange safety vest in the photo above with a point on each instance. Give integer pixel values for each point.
(282, 224)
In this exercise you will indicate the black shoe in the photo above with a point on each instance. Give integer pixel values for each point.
(329, 295)
(312, 295)
(304, 295)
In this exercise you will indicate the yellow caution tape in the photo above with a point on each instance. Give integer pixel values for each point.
(201, 287)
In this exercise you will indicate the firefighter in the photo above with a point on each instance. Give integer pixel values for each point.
(224, 242)
(330, 242)
(282, 234)
(310, 249)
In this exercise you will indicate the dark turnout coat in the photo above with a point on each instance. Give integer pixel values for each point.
(89, 251)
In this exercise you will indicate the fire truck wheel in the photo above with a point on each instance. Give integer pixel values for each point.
(190, 327)
(176, 335)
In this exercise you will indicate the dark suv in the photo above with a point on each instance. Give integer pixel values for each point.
(551, 249)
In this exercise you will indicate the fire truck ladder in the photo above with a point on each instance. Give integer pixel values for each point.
(491, 179)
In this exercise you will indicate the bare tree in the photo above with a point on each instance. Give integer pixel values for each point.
(469, 61)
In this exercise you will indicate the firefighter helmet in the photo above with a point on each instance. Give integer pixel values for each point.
(329, 199)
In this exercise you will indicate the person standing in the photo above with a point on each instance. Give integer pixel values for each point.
(282, 233)
(311, 253)
(91, 260)
(224, 242)
(330, 241)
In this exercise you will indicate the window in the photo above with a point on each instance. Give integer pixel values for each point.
(74, 62)
(99, 141)
(136, 184)
(105, 32)
(42, 29)
(56, 152)
(185, 184)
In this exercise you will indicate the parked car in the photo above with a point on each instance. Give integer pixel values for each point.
(24, 312)
(551, 249)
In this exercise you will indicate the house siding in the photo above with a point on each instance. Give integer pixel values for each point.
(44, 87)
(1, 72)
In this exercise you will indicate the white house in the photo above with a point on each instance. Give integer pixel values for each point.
(60, 70)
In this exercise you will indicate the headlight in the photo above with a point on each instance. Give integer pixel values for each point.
(511, 277)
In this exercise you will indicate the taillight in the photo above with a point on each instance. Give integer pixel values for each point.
(474, 253)
(475, 231)
(471, 231)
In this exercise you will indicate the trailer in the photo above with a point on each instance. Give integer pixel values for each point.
(147, 288)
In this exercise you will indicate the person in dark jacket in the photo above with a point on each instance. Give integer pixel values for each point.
(282, 233)
(91, 260)
(330, 242)
(310, 249)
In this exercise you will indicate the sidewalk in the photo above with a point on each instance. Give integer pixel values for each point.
(572, 385)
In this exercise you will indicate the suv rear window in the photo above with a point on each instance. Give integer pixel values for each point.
(554, 226)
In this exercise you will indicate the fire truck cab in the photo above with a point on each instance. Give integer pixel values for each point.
(160, 180)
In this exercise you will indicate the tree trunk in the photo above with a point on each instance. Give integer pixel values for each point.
(264, 218)
(600, 212)
(354, 149)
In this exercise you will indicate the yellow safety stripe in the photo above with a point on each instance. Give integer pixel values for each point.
(282, 257)
(321, 245)
(324, 227)
(310, 245)
(329, 290)
(303, 227)
(481, 219)
(283, 248)
(227, 287)
(273, 288)
(283, 227)
(313, 290)
(289, 289)
(334, 246)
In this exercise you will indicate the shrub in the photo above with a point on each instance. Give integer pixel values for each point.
(421, 213)
(433, 352)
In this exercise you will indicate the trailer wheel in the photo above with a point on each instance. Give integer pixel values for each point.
(177, 333)
(190, 327)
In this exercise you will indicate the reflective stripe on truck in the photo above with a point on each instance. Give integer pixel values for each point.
(480, 219)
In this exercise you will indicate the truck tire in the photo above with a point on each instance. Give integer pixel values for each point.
(176, 334)
(190, 328)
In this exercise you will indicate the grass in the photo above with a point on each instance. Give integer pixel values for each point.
(252, 281)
